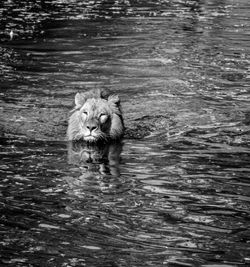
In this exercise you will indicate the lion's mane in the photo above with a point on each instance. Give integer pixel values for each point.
(96, 117)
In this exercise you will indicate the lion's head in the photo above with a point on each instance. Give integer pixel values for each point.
(96, 117)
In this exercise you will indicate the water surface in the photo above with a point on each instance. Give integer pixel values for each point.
(176, 191)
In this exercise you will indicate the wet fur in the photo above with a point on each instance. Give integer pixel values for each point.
(96, 102)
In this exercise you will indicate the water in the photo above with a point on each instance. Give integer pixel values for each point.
(176, 191)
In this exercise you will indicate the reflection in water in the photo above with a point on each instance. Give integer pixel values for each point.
(178, 195)
(98, 163)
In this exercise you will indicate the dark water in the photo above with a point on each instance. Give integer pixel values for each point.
(176, 192)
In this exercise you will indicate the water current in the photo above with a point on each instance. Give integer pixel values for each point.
(176, 191)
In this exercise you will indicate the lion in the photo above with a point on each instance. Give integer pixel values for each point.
(97, 116)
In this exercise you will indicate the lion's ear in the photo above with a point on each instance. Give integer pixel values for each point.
(104, 93)
(114, 99)
(79, 100)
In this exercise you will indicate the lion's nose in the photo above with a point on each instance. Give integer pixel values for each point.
(91, 127)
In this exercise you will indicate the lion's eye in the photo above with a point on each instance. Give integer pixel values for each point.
(103, 117)
(85, 112)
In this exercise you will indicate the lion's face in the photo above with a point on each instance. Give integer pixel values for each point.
(95, 119)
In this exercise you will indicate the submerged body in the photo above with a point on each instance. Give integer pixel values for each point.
(96, 117)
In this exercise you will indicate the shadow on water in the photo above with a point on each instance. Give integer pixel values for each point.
(176, 192)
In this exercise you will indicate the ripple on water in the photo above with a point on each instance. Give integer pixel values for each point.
(177, 193)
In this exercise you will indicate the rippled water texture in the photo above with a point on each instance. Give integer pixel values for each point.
(176, 191)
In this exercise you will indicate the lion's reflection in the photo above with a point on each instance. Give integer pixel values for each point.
(93, 175)
(98, 166)
(104, 158)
